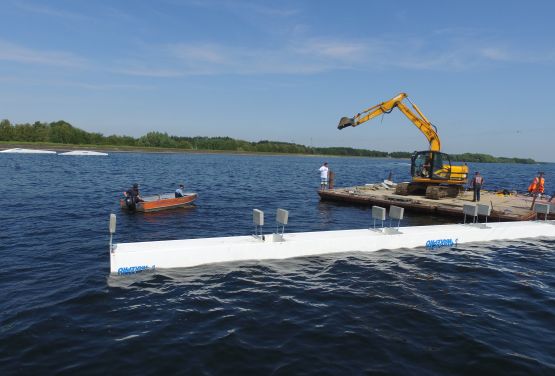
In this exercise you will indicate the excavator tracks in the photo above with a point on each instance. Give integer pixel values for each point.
(437, 192)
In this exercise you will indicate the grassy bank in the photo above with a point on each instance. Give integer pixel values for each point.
(61, 135)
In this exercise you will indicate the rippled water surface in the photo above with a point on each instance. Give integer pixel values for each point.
(475, 309)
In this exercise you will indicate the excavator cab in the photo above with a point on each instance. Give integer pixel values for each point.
(430, 165)
(434, 176)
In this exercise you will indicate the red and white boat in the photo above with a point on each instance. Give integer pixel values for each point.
(162, 201)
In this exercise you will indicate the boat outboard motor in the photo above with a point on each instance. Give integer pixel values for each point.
(130, 203)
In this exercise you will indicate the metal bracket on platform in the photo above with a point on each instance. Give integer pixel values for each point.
(112, 229)
(471, 210)
(485, 211)
(378, 213)
(541, 209)
(258, 220)
(395, 212)
(475, 211)
(282, 218)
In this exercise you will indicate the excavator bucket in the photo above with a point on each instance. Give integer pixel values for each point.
(346, 122)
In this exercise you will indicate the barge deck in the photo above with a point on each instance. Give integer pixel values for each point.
(503, 207)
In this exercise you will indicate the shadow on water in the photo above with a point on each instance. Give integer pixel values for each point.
(164, 215)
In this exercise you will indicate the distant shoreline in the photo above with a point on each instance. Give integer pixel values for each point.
(61, 135)
(142, 149)
(134, 149)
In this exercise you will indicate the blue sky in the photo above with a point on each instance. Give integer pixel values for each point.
(481, 71)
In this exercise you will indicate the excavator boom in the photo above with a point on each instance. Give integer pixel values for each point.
(418, 118)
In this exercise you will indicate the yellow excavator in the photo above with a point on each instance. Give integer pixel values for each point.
(432, 172)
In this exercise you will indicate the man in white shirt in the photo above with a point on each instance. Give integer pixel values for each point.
(324, 176)
(179, 191)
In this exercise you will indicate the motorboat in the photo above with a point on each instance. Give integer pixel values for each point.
(162, 201)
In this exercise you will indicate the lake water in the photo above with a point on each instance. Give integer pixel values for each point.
(474, 309)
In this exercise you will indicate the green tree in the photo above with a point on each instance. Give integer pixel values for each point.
(6, 130)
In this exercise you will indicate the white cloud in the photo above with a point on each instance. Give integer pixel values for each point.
(507, 54)
(334, 49)
(19, 54)
(242, 6)
(46, 10)
(208, 53)
(316, 55)
(495, 53)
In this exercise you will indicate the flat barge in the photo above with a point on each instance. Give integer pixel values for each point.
(503, 207)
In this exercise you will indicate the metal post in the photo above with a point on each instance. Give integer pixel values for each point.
(112, 229)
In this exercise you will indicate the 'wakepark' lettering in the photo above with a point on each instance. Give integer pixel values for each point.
(432, 244)
(134, 269)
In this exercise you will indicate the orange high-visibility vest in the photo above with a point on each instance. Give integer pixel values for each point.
(537, 185)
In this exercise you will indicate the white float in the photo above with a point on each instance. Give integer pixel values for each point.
(27, 151)
(83, 152)
(126, 258)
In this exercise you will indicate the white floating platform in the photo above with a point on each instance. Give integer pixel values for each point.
(126, 258)
(83, 152)
(27, 151)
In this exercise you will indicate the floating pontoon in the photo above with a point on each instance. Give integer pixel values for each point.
(27, 151)
(128, 258)
(84, 152)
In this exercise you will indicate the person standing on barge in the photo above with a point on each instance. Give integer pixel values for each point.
(477, 183)
(537, 187)
(324, 170)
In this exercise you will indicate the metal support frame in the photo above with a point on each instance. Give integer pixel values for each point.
(258, 221)
(282, 218)
(112, 229)
(484, 210)
(396, 212)
(378, 213)
(471, 210)
(541, 209)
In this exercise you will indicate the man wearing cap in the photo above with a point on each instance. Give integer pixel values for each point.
(179, 191)
(324, 176)
(477, 182)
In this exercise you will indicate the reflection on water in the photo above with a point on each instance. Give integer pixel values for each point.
(170, 214)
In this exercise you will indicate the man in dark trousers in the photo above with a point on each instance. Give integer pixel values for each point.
(132, 196)
(536, 188)
(477, 183)
(179, 191)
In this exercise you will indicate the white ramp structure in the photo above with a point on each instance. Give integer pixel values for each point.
(84, 153)
(126, 258)
(27, 151)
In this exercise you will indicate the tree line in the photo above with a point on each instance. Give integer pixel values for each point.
(61, 132)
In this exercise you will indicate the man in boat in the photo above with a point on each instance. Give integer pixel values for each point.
(179, 191)
(132, 196)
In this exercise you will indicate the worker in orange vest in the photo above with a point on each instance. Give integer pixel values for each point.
(536, 188)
